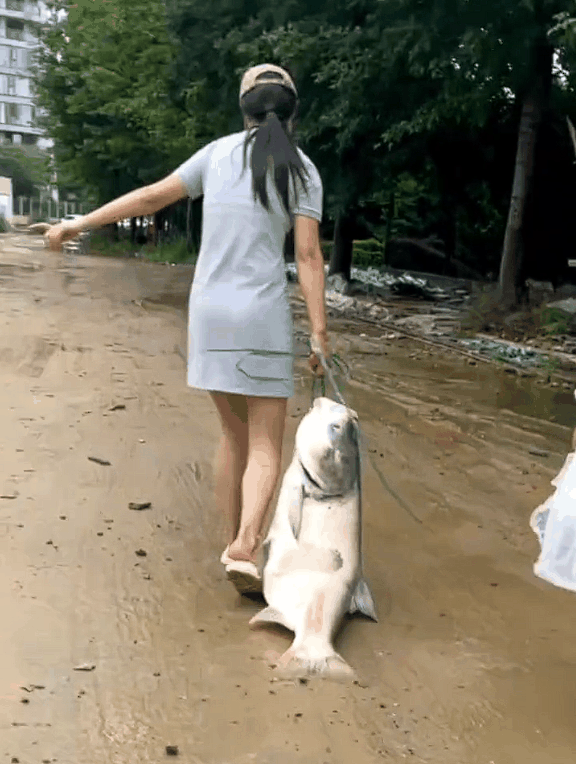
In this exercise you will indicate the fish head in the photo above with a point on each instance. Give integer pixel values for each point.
(327, 447)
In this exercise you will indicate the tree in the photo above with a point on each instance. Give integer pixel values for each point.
(27, 166)
(490, 49)
(103, 76)
(394, 94)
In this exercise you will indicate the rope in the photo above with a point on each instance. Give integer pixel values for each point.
(337, 361)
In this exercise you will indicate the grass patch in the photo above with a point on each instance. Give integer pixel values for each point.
(172, 252)
(175, 251)
(101, 245)
(485, 314)
(553, 321)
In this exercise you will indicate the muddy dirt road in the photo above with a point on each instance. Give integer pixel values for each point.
(120, 635)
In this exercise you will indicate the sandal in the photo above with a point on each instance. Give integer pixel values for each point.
(243, 574)
(245, 577)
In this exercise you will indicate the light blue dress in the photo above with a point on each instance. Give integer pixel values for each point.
(239, 317)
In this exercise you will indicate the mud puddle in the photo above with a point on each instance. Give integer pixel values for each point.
(472, 658)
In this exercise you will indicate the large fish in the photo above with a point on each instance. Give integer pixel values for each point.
(312, 574)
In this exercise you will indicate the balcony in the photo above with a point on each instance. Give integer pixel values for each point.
(21, 9)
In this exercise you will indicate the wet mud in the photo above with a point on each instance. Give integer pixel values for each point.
(122, 641)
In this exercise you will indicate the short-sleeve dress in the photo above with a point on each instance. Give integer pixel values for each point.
(239, 317)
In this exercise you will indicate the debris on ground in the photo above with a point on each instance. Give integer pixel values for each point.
(103, 462)
(499, 350)
(85, 667)
(534, 451)
(139, 505)
(435, 307)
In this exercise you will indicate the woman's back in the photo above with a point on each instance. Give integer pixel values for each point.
(239, 295)
(241, 240)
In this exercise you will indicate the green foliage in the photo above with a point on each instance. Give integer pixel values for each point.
(27, 166)
(404, 99)
(101, 245)
(4, 227)
(368, 253)
(484, 312)
(175, 251)
(102, 77)
(554, 321)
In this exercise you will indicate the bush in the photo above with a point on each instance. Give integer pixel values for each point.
(4, 227)
(365, 254)
(175, 251)
(101, 245)
(368, 253)
(484, 312)
(553, 321)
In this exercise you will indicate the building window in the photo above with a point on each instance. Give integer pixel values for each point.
(13, 58)
(15, 5)
(12, 113)
(14, 29)
(11, 84)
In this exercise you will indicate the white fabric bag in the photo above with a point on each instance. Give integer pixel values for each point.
(554, 522)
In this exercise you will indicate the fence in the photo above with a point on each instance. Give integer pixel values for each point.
(44, 209)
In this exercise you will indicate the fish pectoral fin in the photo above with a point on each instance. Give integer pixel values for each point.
(270, 615)
(288, 513)
(362, 601)
(266, 551)
(295, 511)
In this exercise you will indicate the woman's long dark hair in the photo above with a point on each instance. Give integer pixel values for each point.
(269, 108)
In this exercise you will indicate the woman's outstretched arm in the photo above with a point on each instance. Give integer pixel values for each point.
(143, 201)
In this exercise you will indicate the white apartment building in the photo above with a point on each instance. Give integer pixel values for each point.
(19, 21)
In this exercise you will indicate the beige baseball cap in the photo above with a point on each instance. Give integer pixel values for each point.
(251, 79)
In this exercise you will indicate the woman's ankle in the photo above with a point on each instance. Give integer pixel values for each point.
(244, 546)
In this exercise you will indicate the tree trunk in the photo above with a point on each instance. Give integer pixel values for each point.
(532, 111)
(341, 259)
(158, 226)
(133, 222)
(110, 231)
(449, 233)
(389, 222)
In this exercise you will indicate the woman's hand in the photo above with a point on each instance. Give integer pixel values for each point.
(320, 343)
(56, 235)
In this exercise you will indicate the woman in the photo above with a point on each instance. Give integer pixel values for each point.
(240, 325)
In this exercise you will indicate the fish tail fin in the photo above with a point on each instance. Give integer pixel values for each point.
(310, 659)
(362, 601)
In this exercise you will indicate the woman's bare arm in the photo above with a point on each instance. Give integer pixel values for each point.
(143, 201)
(310, 264)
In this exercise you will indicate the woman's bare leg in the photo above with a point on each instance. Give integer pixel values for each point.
(266, 421)
(231, 457)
